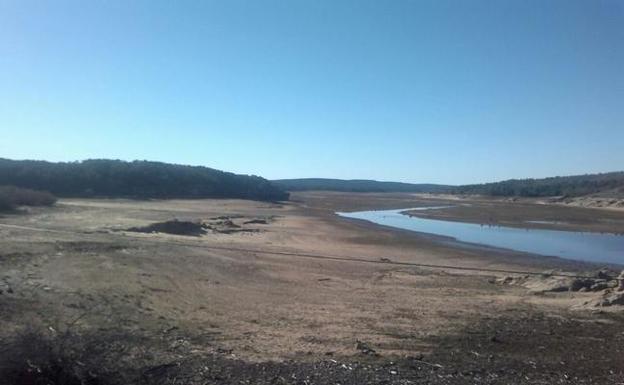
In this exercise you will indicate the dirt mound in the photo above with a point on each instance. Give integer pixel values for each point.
(218, 225)
(256, 222)
(225, 225)
(174, 227)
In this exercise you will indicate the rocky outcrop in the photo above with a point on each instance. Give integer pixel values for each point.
(607, 282)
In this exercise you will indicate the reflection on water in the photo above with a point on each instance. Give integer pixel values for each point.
(582, 246)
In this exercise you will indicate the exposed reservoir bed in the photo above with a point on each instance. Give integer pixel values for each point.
(582, 246)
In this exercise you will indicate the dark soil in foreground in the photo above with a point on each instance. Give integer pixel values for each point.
(510, 350)
(514, 349)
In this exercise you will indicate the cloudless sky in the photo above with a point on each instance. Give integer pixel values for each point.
(418, 91)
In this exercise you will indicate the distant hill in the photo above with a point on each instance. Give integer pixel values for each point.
(144, 179)
(572, 186)
(356, 185)
(607, 184)
(138, 179)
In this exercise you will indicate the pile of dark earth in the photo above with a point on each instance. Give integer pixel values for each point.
(174, 227)
(219, 225)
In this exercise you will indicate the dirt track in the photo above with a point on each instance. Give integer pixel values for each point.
(77, 261)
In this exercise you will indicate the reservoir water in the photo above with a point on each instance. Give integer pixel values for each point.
(583, 246)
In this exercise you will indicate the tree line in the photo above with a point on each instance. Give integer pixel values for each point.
(137, 179)
(555, 186)
(356, 185)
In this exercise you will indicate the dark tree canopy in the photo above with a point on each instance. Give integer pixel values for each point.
(356, 185)
(137, 179)
(556, 186)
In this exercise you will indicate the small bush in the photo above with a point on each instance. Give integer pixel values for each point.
(6, 204)
(12, 197)
(48, 357)
(32, 358)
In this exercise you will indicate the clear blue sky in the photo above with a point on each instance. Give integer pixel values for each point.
(418, 91)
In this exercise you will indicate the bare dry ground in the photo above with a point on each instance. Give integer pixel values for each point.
(221, 308)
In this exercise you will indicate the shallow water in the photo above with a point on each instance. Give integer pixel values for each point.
(583, 246)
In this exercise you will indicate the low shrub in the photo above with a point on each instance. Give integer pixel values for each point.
(35, 356)
(12, 197)
(32, 358)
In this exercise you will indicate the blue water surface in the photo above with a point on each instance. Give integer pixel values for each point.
(583, 246)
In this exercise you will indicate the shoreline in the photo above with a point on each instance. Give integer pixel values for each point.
(429, 241)
(228, 295)
(528, 214)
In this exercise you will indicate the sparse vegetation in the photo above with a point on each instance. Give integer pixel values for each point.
(11, 197)
(138, 179)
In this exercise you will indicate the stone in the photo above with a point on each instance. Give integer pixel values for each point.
(613, 298)
(599, 286)
(550, 284)
(578, 283)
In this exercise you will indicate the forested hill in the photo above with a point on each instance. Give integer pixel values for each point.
(356, 185)
(138, 179)
(556, 186)
(578, 185)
